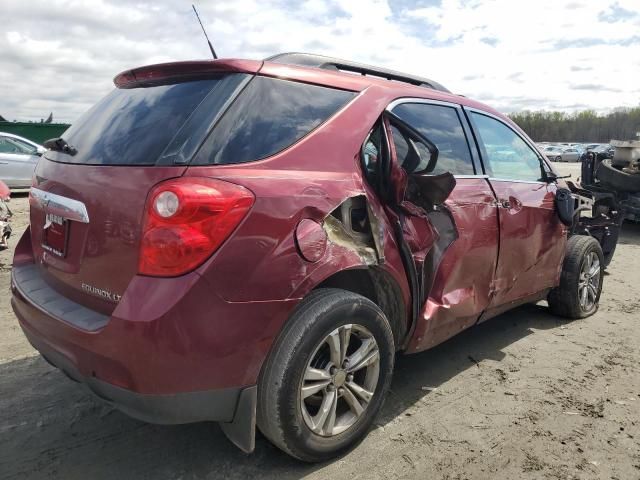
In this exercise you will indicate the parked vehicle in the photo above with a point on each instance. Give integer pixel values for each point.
(604, 151)
(553, 153)
(293, 226)
(591, 146)
(18, 159)
(570, 154)
(563, 154)
(5, 215)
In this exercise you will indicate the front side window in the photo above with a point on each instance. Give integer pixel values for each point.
(507, 156)
(440, 125)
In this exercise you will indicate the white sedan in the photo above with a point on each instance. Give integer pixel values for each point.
(562, 154)
(18, 160)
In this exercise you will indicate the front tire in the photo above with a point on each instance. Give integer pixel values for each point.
(327, 375)
(578, 294)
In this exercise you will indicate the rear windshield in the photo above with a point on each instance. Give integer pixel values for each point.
(166, 124)
(133, 126)
(269, 116)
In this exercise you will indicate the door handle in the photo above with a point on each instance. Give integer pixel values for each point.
(4, 163)
(505, 203)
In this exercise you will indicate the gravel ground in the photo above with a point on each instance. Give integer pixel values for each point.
(526, 395)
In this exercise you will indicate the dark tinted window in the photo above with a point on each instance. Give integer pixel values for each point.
(440, 125)
(371, 154)
(267, 117)
(133, 126)
(410, 162)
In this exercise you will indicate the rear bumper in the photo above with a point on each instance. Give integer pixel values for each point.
(212, 405)
(171, 352)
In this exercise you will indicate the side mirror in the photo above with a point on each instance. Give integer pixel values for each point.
(40, 151)
(565, 206)
(551, 177)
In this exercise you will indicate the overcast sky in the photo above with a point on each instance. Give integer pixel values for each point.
(61, 55)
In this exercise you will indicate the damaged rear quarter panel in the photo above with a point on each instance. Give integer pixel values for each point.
(260, 261)
(263, 263)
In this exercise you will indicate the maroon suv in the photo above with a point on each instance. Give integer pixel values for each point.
(251, 242)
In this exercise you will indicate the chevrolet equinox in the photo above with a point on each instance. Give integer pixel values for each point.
(253, 242)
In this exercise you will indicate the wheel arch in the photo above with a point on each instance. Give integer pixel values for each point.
(381, 288)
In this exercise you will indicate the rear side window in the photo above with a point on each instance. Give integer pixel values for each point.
(440, 125)
(267, 117)
(13, 145)
(133, 126)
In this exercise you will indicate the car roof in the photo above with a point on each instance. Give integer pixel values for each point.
(358, 82)
(344, 75)
(12, 135)
(338, 64)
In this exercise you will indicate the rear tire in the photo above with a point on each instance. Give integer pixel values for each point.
(305, 357)
(581, 278)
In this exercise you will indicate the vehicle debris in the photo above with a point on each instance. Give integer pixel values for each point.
(5, 215)
(614, 182)
(350, 226)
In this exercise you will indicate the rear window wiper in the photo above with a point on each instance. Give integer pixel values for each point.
(60, 145)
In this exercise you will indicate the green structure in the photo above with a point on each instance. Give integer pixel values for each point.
(36, 132)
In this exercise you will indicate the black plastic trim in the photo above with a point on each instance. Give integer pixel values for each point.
(167, 409)
(29, 283)
(242, 430)
(331, 63)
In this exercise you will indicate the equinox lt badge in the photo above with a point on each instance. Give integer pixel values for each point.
(101, 292)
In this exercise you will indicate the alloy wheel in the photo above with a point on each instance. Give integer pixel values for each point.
(340, 380)
(589, 282)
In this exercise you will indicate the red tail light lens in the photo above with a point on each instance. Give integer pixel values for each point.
(186, 220)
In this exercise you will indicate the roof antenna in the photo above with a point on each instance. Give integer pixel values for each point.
(213, 52)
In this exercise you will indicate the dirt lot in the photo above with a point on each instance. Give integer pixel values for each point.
(526, 395)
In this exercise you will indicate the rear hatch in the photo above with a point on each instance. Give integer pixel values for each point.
(90, 191)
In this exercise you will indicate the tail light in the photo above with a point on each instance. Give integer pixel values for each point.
(186, 220)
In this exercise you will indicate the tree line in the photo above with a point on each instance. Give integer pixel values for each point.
(584, 126)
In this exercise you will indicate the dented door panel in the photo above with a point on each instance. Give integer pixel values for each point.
(532, 241)
(461, 284)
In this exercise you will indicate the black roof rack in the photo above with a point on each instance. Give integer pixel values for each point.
(330, 63)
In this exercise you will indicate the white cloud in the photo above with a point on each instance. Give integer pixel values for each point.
(60, 55)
